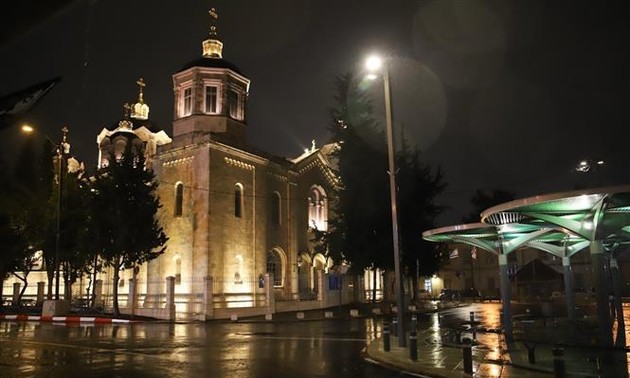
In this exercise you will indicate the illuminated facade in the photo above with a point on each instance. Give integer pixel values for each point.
(231, 213)
(239, 220)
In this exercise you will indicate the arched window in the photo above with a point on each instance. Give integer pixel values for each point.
(318, 209)
(274, 267)
(275, 209)
(238, 201)
(179, 199)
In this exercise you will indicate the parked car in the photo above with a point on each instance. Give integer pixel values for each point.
(471, 295)
(449, 295)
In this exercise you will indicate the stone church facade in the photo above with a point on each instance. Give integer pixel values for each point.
(239, 221)
(236, 217)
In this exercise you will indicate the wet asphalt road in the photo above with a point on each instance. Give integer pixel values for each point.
(329, 348)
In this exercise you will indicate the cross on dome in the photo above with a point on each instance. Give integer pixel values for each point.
(213, 47)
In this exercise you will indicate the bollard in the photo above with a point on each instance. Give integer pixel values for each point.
(467, 351)
(472, 325)
(531, 355)
(414, 322)
(558, 363)
(394, 327)
(413, 345)
(386, 341)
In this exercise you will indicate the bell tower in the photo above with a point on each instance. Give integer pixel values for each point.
(210, 96)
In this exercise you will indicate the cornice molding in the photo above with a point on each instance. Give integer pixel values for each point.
(238, 164)
(180, 161)
(277, 176)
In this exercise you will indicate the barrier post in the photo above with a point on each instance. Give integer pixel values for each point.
(413, 345)
(558, 363)
(386, 340)
(467, 355)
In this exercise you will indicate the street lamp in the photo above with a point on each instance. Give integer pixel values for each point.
(587, 164)
(61, 150)
(374, 65)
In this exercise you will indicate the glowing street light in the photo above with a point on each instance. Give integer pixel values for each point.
(587, 164)
(27, 129)
(374, 64)
(62, 148)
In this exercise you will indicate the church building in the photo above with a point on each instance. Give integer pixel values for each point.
(235, 216)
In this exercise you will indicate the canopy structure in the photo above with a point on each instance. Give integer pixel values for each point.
(561, 224)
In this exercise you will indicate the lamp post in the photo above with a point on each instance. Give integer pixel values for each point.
(375, 64)
(60, 151)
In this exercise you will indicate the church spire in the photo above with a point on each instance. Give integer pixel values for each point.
(213, 47)
(140, 110)
(141, 85)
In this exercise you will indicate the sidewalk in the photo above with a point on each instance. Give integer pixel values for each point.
(493, 358)
(67, 319)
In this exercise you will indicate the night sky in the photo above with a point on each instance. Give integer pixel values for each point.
(500, 94)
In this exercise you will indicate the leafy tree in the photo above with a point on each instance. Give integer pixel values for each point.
(12, 242)
(418, 186)
(360, 231)
(76, 253)
(31, 213)
(124, 207)
(12, 245)
(483, 200)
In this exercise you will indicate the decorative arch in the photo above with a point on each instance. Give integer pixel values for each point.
(307, 284)
(179, 199)
(120, 147)
(276, 265)
(276, 209)
(238, 200)
(320, 262)
(318, 208)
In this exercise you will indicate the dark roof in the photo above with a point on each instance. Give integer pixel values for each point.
(211, 62)
(537, 271)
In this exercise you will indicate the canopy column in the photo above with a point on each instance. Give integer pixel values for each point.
(568, 287)
(598, 262)
(504, 283)
(620, 340)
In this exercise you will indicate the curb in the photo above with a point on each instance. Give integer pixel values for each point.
(393, 367)
(66, 319)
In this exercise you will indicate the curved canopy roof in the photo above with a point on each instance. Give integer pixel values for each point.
(559, 223)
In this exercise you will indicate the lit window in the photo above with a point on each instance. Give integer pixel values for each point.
(428, 286)
(318, 209)
(275, 208)
(211, 99)
(188, 102)
(274, 267)
(234, 104)
(238, 201)
(179, 198)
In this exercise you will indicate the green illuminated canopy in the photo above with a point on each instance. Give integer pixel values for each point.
(559, 223)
